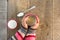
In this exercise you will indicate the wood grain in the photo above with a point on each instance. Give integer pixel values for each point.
(49, 19)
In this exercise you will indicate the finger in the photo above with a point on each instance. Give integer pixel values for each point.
(24, 21)
(37, 19)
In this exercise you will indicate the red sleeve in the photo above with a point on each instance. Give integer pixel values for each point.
(30, 37)
(18, 36)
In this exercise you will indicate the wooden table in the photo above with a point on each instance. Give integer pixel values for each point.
(48, 12)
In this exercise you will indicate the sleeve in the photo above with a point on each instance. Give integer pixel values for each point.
(19, 35)
(30, 37)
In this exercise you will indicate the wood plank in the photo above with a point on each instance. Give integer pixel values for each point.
(56, 22)
(3, 20)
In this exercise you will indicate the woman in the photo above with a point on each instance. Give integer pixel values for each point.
(26, 32)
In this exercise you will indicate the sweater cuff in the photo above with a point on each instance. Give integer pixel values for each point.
(31, 32)
(22, 31)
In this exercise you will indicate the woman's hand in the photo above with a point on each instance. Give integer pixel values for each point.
(24, 24)
(36, 25)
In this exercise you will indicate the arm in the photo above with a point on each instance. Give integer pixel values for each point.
(31, 35)
(19, 35)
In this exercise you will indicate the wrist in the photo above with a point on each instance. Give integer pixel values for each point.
(31, 32)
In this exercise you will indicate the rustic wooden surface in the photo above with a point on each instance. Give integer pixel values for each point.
(3, 19)
(47, 10)
(43, 10)
(56, 22)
